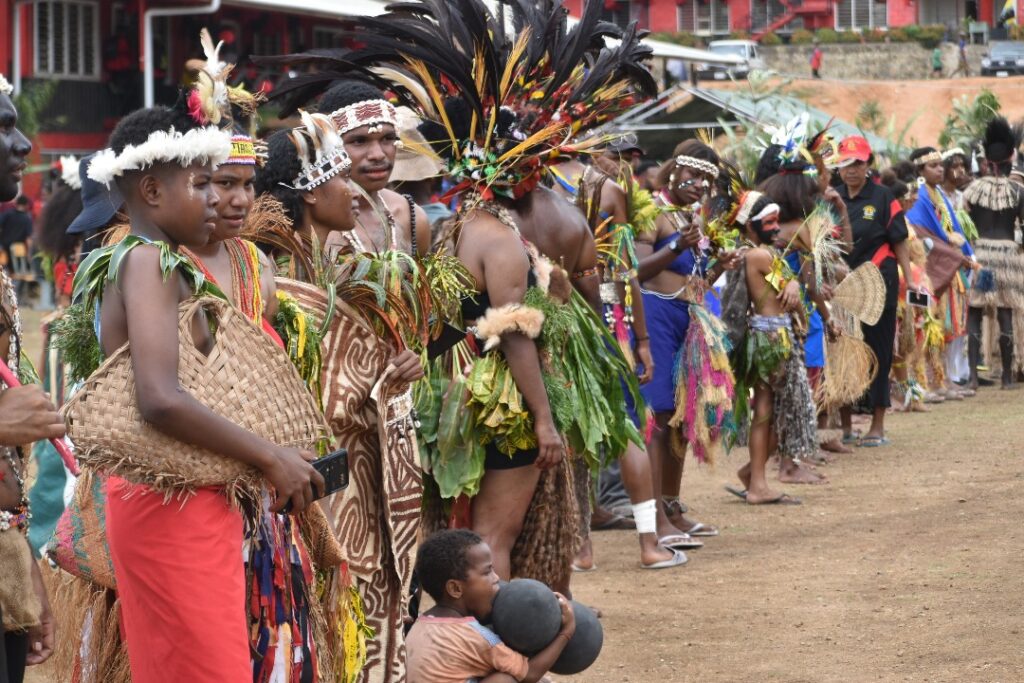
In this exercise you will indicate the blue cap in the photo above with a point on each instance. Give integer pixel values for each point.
(99, 204)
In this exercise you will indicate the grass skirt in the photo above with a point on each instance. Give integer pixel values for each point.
(1005, 261)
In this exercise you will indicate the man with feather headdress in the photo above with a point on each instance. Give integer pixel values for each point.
(996, 205)
(497, 112)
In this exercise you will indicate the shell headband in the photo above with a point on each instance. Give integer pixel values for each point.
(317, 138)
(928, 158)
(372, 113)
(209, 145)
(705, 167)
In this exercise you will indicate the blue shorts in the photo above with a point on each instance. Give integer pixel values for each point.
(667, 324)
(814, 347)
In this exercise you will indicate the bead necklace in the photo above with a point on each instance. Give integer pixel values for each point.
(20, 516)
(390, 230)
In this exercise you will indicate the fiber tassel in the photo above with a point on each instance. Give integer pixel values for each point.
(704, 385)
(622, 334)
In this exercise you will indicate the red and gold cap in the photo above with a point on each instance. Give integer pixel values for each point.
(853, 148)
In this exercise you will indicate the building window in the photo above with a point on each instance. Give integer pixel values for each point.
(67, 39)
(861, 14)
(327, 38)
(763, 13)
(266, 43)
(621, 12)
(704, 17)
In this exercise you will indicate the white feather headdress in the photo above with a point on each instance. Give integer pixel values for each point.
(209, 145)
(5, 87)
(69, 172)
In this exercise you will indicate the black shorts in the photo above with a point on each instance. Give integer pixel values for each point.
(496, 460)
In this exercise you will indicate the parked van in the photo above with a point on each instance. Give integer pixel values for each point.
(747, 50)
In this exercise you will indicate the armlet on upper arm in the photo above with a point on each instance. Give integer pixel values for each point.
(507, 319)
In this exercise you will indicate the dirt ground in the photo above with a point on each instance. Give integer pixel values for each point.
(905, 568)
(930, 101)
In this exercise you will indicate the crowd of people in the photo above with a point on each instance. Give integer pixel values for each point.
(514, 324)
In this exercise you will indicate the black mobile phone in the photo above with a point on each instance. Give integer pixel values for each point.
(333, 467)
(919, 299)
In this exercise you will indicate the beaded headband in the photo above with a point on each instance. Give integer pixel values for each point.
(372, 113)
(5, 87)
(928, 158)
(698, 164)
(243, 151)
(317, 138)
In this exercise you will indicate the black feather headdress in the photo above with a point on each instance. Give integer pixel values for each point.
(1001, 140)
(502, 94)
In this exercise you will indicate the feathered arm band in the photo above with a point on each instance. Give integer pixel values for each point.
(508, 319)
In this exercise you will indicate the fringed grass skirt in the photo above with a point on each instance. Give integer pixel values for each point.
(1005, 261)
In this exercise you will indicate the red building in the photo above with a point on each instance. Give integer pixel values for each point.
(96, 51)
(722, 17)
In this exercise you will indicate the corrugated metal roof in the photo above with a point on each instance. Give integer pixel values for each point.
(777, 109)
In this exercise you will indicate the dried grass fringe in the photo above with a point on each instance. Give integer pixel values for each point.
(850, 367)
(548, 541)
(88, 618)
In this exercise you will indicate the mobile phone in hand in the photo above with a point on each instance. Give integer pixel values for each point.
(919, 299)
(333, 467)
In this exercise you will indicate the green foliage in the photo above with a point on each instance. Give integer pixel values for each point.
(966, 123)
(75, 337)
(739, 35)
(678, 38)
(850, 37)
(31, 104)
(826, 35)
(869, 116)
(801, 36)
(770, 39)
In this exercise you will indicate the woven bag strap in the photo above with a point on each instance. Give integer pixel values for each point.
(215, 308)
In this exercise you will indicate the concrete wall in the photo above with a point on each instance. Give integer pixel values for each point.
(868, 61)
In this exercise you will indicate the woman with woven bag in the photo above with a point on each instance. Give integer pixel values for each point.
(175, 627)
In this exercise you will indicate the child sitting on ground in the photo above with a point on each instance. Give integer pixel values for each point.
(448, 644)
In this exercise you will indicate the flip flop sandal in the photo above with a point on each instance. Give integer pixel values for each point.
(873, 442)
(680, 542)
(701, 529)
(583, 570)
(784, 499)
(851, 439)
(678, 559)
(739, 493)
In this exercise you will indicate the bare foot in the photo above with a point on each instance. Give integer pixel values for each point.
(584, 561)
(650, 553)
(793, 472)
(768, 497)
(835, 446)
(743, 474)
(919, 407)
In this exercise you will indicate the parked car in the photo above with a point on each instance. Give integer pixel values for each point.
(747, 50)
(1003, 59)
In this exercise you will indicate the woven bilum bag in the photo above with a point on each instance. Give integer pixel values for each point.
(245, 378)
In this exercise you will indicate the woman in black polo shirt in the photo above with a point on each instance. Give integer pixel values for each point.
(879, 236)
